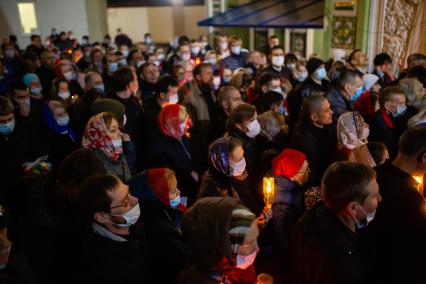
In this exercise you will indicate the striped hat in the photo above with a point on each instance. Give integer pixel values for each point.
(241, 220)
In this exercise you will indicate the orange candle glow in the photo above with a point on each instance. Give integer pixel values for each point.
(268, 191)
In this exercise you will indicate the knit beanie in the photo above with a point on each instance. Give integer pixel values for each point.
(241, 220)
(313, 64)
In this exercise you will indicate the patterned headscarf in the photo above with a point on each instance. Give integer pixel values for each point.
(168, 121)
(96, 137)
(219, 156)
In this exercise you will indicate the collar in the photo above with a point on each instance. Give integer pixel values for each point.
(101, 231)
(277, 68)
(387, 119)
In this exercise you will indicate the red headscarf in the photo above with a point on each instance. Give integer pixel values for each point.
(169, 123)
(96, 137)
(288, 163)
(160, 186)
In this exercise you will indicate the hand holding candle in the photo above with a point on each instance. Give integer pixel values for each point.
(268, 191)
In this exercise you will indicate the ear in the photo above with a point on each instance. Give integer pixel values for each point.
(198, 77)
(264, 89)
(351, 208)
(240, 127)
(225, 105)
(314, 117)
(347, 88)
(101, 218)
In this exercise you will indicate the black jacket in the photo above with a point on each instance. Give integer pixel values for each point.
(317, 144)
(133, 111)
(168, 152)
(324, 250)
(338, 103)
(395, 239)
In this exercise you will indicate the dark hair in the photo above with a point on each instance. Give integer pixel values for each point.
(290, 57)
(418, 72)
(164, 83)
(346, 77)
(351, 56)
(377, 151)
(241, 113)
(198, 67)
(131, 52)
(382, 59)
(271, 98)
(122, 78)
(93, 51)
(93, 196)
(413, 141)
(345, 182)
(266, 78)
(33, 37)
(183, 40)
(387, 93)
(276, 47)
(19, 85)
(272, 37)
(29, 55)
(6, 106)
(79, 165)
(311, 104)
(223, 93)
(144, 66)
(416, 59)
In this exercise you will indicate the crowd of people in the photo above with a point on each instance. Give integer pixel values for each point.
(127, 162)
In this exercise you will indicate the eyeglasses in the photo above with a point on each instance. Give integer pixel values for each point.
(124, 203)
(307, 171)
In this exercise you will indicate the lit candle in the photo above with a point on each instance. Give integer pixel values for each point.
(268, 191)
(419, 180)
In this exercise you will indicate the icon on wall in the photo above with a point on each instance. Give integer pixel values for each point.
(298, 43)
(344, 32)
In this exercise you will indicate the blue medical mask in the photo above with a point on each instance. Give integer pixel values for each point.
(122, 62)
(175, 202)
(365, 221)
(99, 88)
(36, 90)
(7, 128)
(399, 111)
(112, 67)
(281, 109)
(358, 93)
(236, 50)
(320, 74)
(63, 120)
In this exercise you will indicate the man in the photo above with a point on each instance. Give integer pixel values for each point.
(315, 83)
(399, 229)
(46, 72)
(81, 110)
(148, 77)
(85, 61)
(267, 82)
(110, 65)
(183, 54)
(36, 45)
(383, 69)
(61, 42)
(109, 214)
(199, 99)
(27, 107)
(96, 57)
(358, 62)
(276, 57)
(314, 136)
(238, 57)
(222, 46)
(30, 62)
(228, 98)
(347, 89)
(386, 126)
(324, 247)
(124, 86)
(20, 142)
(254, 63)
(135, 58)
(273, 40)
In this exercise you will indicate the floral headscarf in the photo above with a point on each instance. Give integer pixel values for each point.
(219, 156)
(352, 131)
(96, 137)
(169, 122)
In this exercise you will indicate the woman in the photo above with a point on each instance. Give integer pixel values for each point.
(61, 91)
(415, 93)
(290, 170)
(243, 125)
(60, 137)
(162, 209)
(113, 147)
(226, 175)
(68, 71)
(223, 238)
(172, 150)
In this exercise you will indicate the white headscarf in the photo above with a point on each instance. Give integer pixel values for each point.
(352, 131)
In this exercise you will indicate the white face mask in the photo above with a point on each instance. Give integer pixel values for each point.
(173, 99)
(125, 52)
(6, 257)
(131, 217)
(216, 82)
(160, 56)
(278, 61)
(254, 129)
(364, 222)
(238, 168)
(139, 63)
(244, 261)
(277, 89)
(63, 120)
(195, 50)
(291, 66)
(186, 56)
(117, 143)
(64, 95)
(223, 45)
(69, 76)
